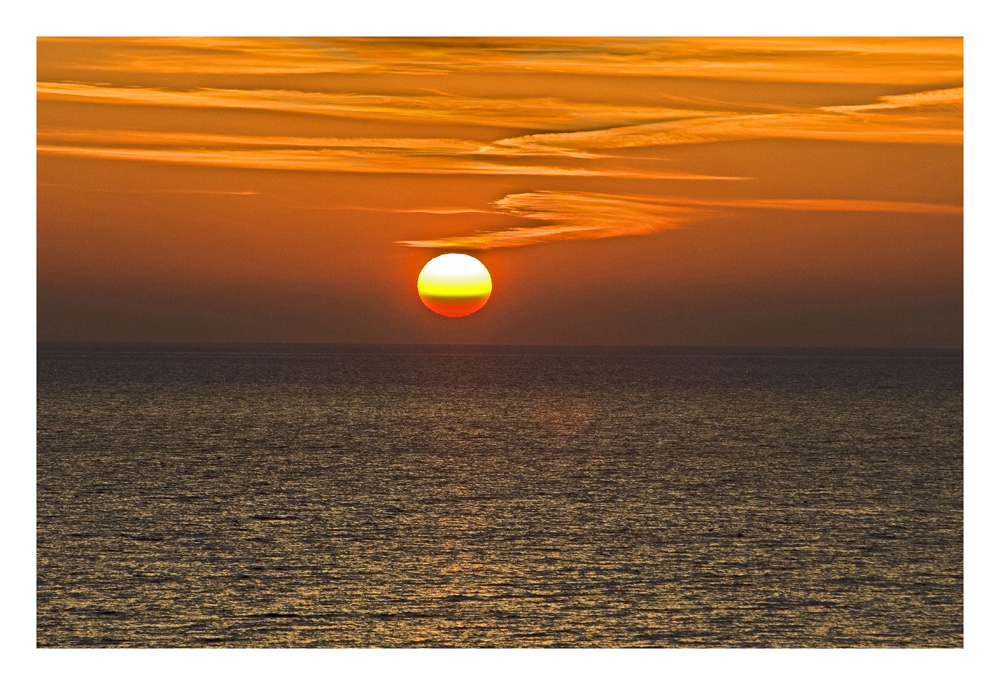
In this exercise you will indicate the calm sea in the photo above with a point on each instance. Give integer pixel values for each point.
(312, 496)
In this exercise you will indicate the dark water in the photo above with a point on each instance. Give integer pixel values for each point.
(308, 496)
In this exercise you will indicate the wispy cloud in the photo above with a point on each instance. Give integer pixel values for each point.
(954, 97)
(571, 216)
(835, 205)
(939, 120)
(555, 137)
(537, 113)
(922, 117)
(357, 155)
(588, 216)
(816, 60)
(573, 127)
(408, 210)
(223, 141)
(148, 191)
(358, 161)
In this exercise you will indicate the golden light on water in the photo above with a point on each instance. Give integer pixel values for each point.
(454, 285)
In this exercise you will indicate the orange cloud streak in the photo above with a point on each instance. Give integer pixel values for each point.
(924, 117)
(546, 113)
(587, 216)
(356, 161)
(805, 60)
(571, 216)
(938, 121)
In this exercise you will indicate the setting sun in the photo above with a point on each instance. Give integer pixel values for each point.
(718, 401)
(454, 285)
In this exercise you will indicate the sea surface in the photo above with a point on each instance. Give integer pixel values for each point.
(351, 496)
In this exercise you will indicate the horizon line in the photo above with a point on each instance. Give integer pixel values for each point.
(606, 346)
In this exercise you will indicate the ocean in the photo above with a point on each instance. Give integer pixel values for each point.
(464, 496)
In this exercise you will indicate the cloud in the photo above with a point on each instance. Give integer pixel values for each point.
(537, 113)
(832, 205)
(571, 216)
(147, 191)
(588, 216)
(560, 138)
(350, 160)
(413, 210)
(222, 141)
(929, 98)
(355, 155)
(571, 128)
(929, 117)
(939, 121)
(875, 60)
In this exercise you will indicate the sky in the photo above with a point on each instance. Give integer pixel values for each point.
(633, 191)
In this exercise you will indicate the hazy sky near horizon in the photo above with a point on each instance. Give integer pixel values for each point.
(690, 191)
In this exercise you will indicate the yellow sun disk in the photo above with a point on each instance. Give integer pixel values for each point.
(454, 285)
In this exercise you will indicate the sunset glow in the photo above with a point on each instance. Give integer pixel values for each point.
(757, 191)
(454, 285)
(486, 342)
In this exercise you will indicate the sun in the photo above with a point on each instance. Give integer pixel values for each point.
(454, 285)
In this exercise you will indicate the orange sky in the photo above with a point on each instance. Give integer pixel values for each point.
(717, 191)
